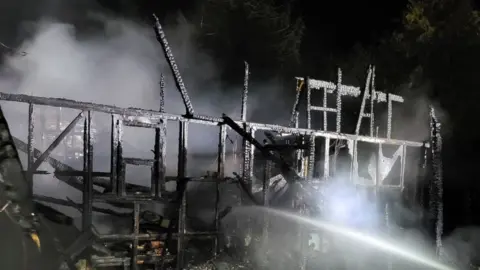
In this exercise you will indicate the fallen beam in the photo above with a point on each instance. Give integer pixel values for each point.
(289, 173)
(160, 34)
(74, 182)
(56, 142)
(53, 214)
(65, 173)
(83, 241)
(246, 189)
(78, 206)
(80, 173)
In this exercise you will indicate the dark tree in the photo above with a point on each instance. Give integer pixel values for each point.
(263, 33)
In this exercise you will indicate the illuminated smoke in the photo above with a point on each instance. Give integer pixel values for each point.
(383, 245)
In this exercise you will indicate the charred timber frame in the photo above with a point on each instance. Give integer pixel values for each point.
(117, 175)
(135, 117)
(373, 96)
(436, 186)
(87, 170)
(30, 150)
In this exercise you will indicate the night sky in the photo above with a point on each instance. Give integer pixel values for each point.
(336, 24)
(341, 24)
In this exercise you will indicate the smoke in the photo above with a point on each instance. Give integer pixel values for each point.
(120, 63)
(122, 66)
(410, 120)
(345, 204)
(331, 244)
(341, 243)
(462, 246)
(98, 58)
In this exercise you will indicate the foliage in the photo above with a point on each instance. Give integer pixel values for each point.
(437, 45)
(440, 38)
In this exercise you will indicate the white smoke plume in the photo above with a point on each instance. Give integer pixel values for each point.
(103, 59)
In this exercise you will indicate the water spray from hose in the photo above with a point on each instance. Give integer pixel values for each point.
(362, 238)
